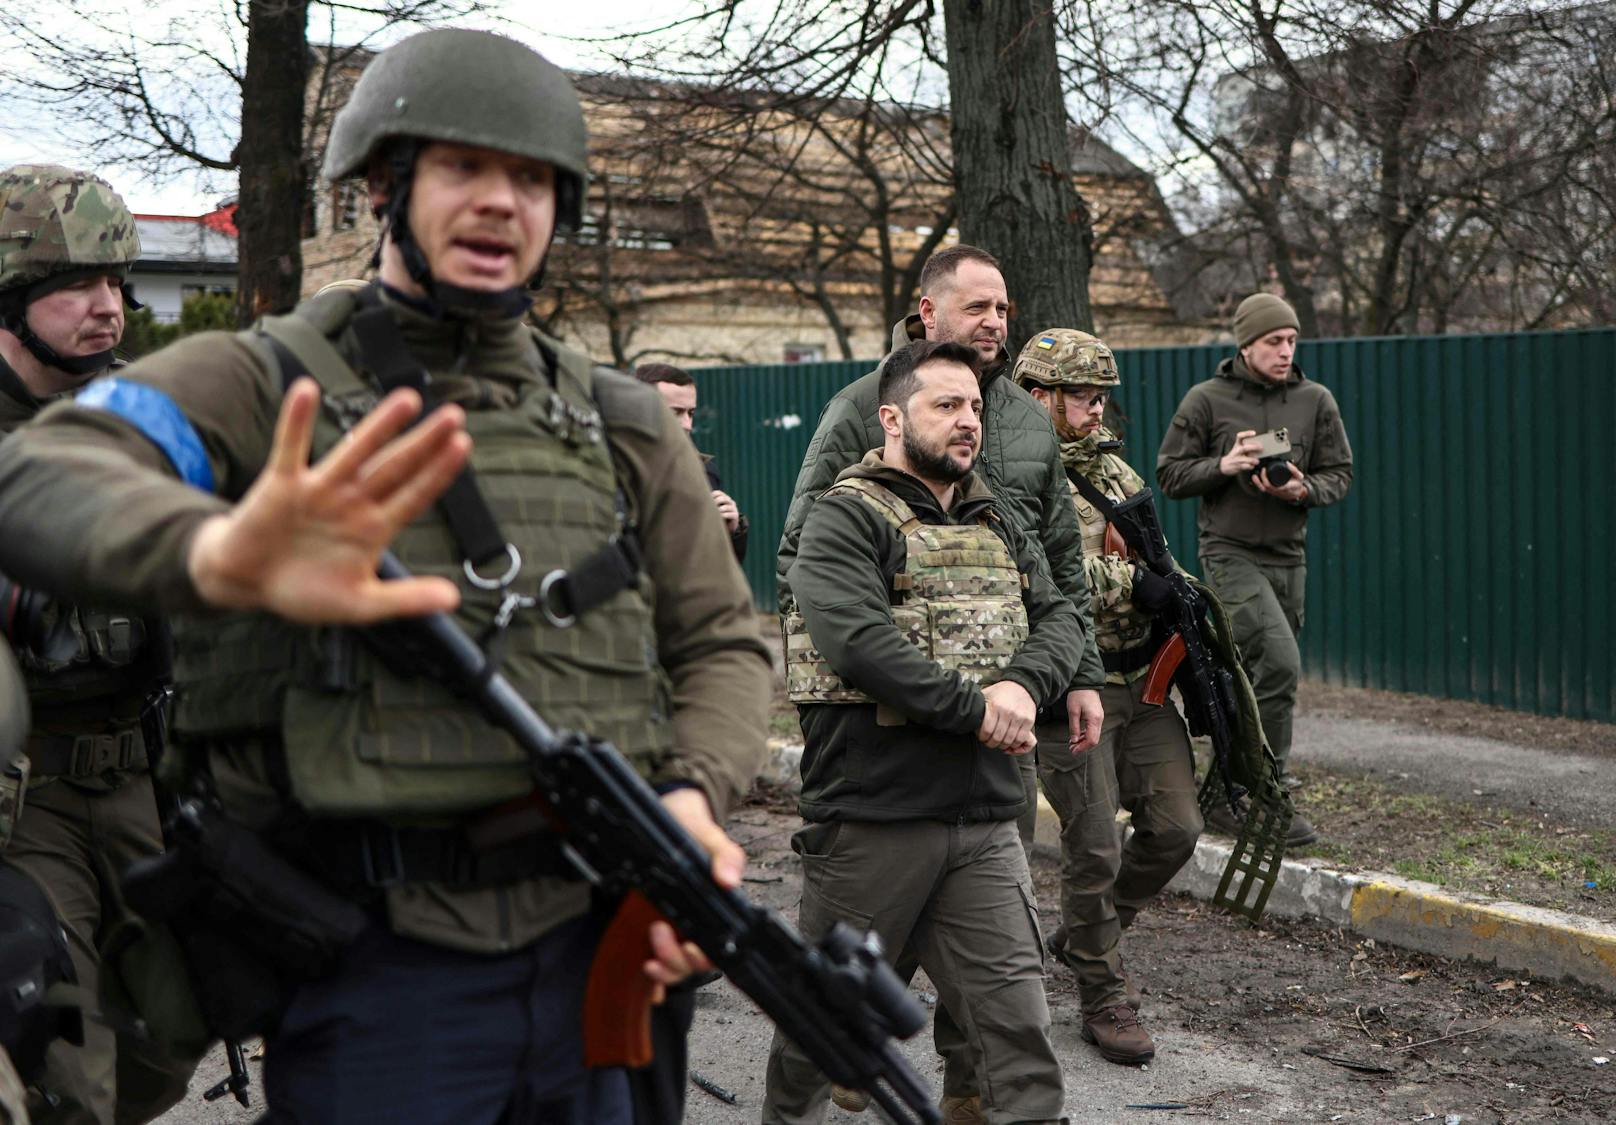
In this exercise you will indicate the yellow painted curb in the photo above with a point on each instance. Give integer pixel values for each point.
(1506, 933)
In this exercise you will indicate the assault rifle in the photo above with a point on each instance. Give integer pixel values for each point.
(838, 1000)
(1207, 688)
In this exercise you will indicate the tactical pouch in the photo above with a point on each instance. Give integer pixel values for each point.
(13, 793)
(253, 927)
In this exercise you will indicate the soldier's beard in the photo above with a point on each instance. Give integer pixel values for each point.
(933, 463)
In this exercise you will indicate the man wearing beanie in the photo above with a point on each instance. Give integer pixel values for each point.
(1253, 525)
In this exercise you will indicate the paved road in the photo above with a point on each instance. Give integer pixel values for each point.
(1573, 789)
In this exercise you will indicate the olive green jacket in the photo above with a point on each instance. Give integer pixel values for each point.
(1020, 461)
(857, 766)
(1235, 518)
(91, 508)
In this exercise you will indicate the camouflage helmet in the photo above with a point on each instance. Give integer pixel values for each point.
(471, 88)
(1065, 357)
(56, 221)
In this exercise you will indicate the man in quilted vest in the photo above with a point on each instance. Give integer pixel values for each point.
(217, 479)
(1143, 762)
(929, 631)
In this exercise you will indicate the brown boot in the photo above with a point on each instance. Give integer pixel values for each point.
(854, 1101)
(1119, 1035)
(962, 1111)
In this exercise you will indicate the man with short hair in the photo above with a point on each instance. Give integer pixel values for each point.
(96, 675)
(1253, 525)
(678, 390)
(928, 631)
(258, 476)
(963, 300)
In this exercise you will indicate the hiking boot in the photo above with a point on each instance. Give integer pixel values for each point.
(1221, 821)
(1119, 1035)
(1301, 832)
(1290, 782)
(854, 1101)
(962, 1111)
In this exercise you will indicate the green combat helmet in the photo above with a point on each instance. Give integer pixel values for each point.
(58, 226)
(1065, 357)
(464, 87)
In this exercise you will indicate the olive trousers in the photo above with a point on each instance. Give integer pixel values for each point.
(71, 838)
(1265, 608)
(959, 898)
(1143, 764)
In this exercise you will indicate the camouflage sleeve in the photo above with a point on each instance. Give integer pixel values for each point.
(1329, 472)
(708, 640)
(1047, 662)
(842, 591)
(1186, 463)
(839, 441)
(1111, 580)
(1062, 542)
(92, 507)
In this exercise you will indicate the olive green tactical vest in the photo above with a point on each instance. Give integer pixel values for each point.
(93, 668)
(361, 737)
(1118, 626)
(957, 599)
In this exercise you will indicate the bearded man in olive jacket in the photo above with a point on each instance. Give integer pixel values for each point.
(929, 629)
(963, 300)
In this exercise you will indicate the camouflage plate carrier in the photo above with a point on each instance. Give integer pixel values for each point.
(364, 738)
(957, 599)
(1118, 625)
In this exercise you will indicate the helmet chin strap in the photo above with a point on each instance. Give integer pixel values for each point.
(1057, 414)
(442, 298)
(14, 319)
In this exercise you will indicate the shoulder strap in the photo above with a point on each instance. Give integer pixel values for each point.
(1093, 495)
(892, 507)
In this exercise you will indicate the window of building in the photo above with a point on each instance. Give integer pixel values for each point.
(805, 353)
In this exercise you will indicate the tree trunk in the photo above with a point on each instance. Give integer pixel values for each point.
(270, 159)
(1012, 168)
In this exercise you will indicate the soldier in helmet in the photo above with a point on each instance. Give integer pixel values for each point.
(1143, 761)
(95, 675)
(262, 473)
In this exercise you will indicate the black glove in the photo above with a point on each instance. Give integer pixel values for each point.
(1151, 592)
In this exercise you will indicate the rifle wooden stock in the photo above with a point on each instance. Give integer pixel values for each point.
(1163, 667)
(1115, 544)
(617, 1001)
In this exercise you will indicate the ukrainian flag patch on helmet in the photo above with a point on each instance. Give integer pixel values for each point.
(1046, 342)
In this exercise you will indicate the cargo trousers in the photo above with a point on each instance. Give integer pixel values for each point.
(1143, 764)
(70, 839)
(1265, 607)
(959, 897)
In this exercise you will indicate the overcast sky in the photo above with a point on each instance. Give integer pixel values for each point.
(566, 29)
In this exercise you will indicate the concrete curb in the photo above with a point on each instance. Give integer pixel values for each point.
(1401, 912)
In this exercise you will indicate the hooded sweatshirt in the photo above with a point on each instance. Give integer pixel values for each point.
(1020, 462)
(1236, 520)
(854, 767)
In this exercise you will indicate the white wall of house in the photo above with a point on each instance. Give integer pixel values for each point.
(165, 293)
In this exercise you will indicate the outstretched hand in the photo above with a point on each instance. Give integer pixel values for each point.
(305, 539)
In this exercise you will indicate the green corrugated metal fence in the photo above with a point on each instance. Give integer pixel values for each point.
(1471, 559)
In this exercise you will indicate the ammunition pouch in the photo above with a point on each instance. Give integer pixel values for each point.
(252, 926)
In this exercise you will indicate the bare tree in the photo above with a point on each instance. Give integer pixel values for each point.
(795, 93)
(234, 88)
(1394, 165)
